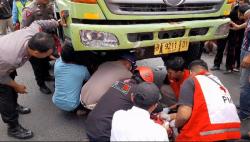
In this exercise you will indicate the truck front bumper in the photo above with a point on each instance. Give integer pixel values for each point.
(147, 35)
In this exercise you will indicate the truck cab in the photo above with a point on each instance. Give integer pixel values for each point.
(148, 27)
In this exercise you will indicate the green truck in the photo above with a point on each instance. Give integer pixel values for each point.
(148, 27)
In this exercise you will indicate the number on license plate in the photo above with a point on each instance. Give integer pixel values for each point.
(171, 47)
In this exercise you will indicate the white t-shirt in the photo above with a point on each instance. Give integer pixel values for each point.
(135, 125)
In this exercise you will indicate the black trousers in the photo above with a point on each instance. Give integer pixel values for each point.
(41, 69)
(8, 103)
(237, 55)
(233, 49)
(221, 43)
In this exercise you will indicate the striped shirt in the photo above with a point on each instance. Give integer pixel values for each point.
(246, 40)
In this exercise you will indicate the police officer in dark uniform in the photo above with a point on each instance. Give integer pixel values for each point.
(39, 10)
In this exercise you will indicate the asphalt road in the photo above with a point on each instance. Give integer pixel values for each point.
(51, 124)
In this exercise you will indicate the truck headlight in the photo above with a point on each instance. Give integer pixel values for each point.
(98, 39)
(222, 30)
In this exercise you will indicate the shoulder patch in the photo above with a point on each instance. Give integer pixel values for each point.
(124, 88)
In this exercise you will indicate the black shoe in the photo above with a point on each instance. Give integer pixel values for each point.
(49, 78)
(23, 110)
(19, 132)
(214, 68)
(45, 90)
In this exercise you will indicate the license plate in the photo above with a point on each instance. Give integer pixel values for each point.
(171, 47)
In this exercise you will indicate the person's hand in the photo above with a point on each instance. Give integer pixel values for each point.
(172, 116)
(246, 62)
(52, 57)
(166, 125)
(233, 26)
(16, 26)
(20, 89)
(166, 110)
(62, 22)
(165, 116)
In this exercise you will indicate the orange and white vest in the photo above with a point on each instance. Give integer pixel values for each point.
(214, 116)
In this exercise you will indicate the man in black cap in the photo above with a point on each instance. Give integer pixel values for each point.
(135, 124)
(116, 98)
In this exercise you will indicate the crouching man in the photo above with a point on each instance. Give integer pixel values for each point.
(118, 97)
(69, 79)
(206, 111)
(135, 124)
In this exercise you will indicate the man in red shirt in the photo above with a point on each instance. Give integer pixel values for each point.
(176, 74)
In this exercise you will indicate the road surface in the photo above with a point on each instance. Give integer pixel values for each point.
(51, 124)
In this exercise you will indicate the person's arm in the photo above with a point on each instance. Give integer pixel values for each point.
(183, 115)
(185, 103)
(18, 87)
(7, 80)
(14, 13)
(26, 16)
(43, 25)
(47, 25)
(246, 62)
(237, 27)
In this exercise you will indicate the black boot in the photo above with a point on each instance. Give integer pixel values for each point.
(22, 109)
(19, 132)
(45, 90)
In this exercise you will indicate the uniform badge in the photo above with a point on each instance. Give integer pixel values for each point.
(122, 87)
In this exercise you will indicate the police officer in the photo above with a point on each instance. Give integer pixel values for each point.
(29, 42)
(39, 10)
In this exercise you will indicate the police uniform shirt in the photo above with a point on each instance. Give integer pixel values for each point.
(13, 49)
(118, 97)
(37, 11)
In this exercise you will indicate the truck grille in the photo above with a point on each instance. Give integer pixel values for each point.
(138, 7)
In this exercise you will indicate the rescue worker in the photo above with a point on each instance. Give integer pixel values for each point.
(106, 74)
(176, 75)
(18, 6)
(39, 10)
(118, 97)
(135, 124)
(14, 53)
(206, 111)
